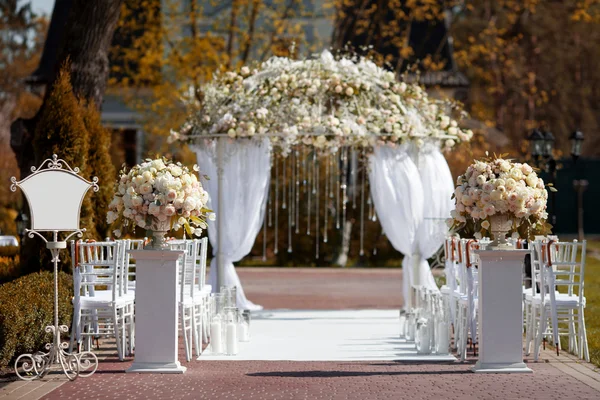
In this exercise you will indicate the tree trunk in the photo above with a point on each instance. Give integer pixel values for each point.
(85, 42)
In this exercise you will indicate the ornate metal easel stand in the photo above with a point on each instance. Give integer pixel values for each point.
(37, 365)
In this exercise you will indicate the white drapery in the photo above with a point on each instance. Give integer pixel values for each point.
(398, 197)
(412, 203)
(246, 174)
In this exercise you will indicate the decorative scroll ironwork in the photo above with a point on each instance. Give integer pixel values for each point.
(31, 366)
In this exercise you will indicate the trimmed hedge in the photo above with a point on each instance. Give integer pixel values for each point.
(10, 268)
(26, 308)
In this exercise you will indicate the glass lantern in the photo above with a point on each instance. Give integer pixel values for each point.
(576, 139)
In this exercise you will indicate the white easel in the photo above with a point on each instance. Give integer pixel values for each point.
(55, 192)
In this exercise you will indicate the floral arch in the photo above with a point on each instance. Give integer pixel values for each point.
(340, 109)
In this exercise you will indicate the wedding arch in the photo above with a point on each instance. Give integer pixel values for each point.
(324, 110)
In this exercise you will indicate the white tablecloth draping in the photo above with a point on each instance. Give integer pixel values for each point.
(246, 177)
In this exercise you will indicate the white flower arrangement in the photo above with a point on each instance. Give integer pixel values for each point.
(327, 102)
(159, 195)
(499, 186)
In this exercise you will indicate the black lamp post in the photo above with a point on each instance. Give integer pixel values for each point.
(579, 185)
(536, 143)
(550, 167)
(576, 139)
(22, 221)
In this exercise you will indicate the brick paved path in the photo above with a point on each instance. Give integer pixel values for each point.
(323, 289)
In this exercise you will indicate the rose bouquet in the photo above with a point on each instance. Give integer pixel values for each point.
(159, 195)
(500, 187)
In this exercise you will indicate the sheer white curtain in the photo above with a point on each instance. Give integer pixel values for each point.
(398, 198)
(438, 187)
(246, 175)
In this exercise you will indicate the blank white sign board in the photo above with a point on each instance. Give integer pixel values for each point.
(55, 197)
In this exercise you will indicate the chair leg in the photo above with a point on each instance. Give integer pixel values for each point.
(116, 333)
(528, 330)
(74, 329)
(540, 333)
(188, 356)
(583, 342)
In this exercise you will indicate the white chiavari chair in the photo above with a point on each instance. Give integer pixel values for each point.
(535, 251)
(204, 291)
(102, 304)
(562, 298)
(468, 303)
(190, 300)
(448, 291)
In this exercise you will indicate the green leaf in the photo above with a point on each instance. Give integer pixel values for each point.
(188, 229)
(553, 189)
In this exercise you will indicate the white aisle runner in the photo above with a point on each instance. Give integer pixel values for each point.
(346, 335)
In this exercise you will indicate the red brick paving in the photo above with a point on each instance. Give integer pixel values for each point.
(324, 380)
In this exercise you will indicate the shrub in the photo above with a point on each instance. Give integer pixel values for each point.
(26, 308)
(10, 268)
(61, 131)
(99, 165)
(9, 251)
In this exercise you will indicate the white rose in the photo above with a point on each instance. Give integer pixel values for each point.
(189, 204)
(176, 170)
(117, 232)
(137, 201)
(212, 216)
(445, 122)
(453, 131)
(485, 225)
(158, 164)
(532, 180)
(198, 232)
(349, 91)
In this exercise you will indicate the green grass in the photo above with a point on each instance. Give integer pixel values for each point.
(592, 294)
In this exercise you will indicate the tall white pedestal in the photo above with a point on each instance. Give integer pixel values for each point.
(156, 312)
(500, 311)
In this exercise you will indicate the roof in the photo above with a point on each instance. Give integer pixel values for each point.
(439, 78)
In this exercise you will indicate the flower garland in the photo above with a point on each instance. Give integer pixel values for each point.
(159, 195)
(499, 186)
(324, 102)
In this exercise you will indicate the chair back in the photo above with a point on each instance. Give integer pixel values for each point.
(565, 268)
(201, 252)
(100, 266)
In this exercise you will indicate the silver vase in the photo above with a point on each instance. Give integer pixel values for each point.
(159, 232)
(500, 226)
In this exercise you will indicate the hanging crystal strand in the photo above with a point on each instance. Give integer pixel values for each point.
(326, 204)
(304, 169)
(292, 202)
(297, 209)
(338, 177)
(353, 176)
(370, 209)
(290, 210)
(270, 204)
(344, 186)
(283, 183)
(317, 165)
(309, 192)
(362, 205)
(276, 244)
